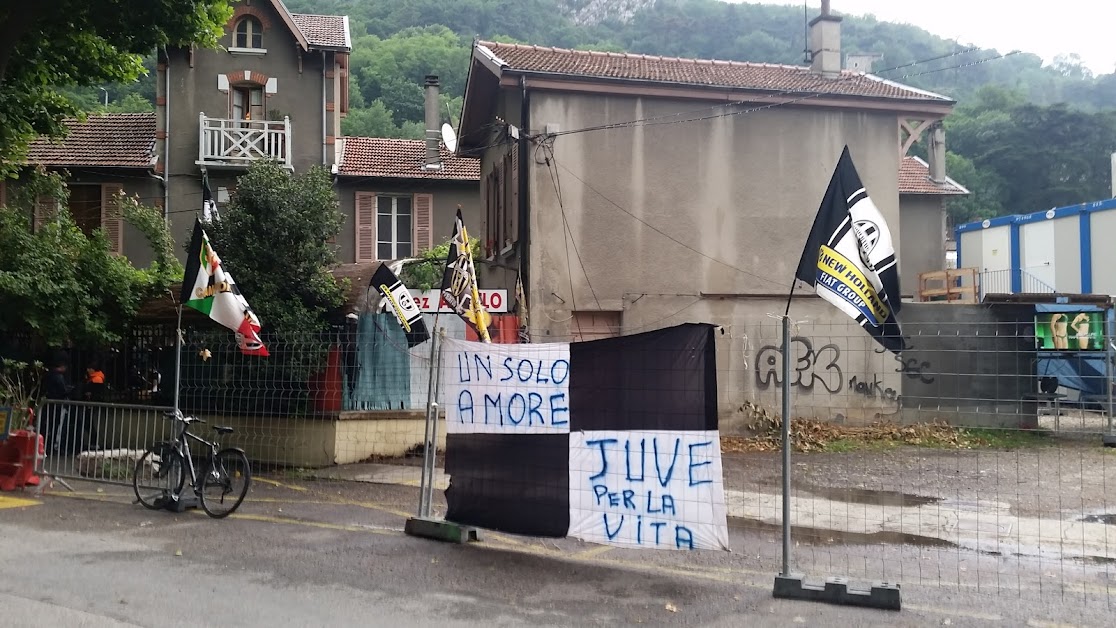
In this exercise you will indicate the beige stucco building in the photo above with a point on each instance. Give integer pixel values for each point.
(656, 191)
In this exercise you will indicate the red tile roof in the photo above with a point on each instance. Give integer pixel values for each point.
(914, 178)
(324, 31)
(110, 140)
(401, 159)
(732, 74)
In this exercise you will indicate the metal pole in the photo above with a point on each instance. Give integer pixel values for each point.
(178, 359)
(424, 505)
(434, 423)
(1110, 352)
(786, 447)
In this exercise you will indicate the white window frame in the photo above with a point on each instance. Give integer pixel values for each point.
(393, 237)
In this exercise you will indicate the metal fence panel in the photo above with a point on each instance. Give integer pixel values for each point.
(99, 442)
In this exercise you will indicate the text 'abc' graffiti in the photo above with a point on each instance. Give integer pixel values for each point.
(816, 370)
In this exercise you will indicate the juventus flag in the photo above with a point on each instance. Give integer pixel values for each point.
(209, 206)
(210, 290)
(459, 282)
(849, 257)
(611, 441)
(402, 305)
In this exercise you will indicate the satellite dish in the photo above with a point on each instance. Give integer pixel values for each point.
(449, 138)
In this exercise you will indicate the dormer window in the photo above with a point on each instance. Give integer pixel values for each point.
(249, 33)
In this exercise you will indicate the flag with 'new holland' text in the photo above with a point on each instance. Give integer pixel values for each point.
(850, 260)
(210, 290)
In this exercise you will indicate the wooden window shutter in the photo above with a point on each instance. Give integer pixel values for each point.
(424, 222)
(112, 216)
(513, 208)
(364, 224)
(45, 208)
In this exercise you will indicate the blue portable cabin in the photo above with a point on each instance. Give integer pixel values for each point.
(1060, 250)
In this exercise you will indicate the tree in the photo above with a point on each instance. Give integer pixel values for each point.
(48, 45)
(64, 286)
(273, 238)
(425, 272)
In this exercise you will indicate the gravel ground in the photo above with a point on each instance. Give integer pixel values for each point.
(1066, 479)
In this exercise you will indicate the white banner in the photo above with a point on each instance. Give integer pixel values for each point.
(495, 301)
(506, 389)
(648, 489)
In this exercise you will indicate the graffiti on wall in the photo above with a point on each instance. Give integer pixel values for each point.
(874, 389)
(818, 369)
(811, 367)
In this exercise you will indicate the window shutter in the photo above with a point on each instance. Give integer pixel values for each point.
(513, 208)
(112, 216)
(424, 222)
(365, 225)
(45, 208)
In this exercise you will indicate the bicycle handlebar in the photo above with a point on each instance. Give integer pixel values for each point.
(178, 416)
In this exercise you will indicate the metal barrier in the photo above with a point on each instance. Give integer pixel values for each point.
(98, 442)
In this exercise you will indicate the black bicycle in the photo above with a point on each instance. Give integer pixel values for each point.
(160, 474)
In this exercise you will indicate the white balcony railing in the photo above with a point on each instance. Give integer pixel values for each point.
(224, 142)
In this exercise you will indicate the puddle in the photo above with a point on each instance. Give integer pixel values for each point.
(819, 537)
(866, 496)
(1107, 519)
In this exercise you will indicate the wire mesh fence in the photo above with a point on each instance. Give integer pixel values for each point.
(971, 461)
(974, 460)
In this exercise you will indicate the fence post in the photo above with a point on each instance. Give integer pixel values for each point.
(429, 450)
(786, 448)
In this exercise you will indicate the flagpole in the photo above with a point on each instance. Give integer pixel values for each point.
(786, 442)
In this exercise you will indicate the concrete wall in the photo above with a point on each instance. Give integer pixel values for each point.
(969, 365)
(447, 196)
(922, 229)
(194, 89)
(837, 373)
(273, 440)
(742, 190)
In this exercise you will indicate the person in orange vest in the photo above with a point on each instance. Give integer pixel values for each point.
(93, 390)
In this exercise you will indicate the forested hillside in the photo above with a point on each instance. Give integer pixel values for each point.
(1052, 122)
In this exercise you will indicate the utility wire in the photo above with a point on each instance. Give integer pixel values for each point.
(666, 235)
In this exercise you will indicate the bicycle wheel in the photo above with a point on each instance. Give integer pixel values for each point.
(224, 483)
(159, 476)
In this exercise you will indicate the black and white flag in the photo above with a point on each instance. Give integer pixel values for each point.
(849, 257)
(401, 304)
(609, 441)
(209, 205)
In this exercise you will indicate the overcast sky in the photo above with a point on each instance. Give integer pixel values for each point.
(1085, 27)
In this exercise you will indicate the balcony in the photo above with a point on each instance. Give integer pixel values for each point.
(238, 143)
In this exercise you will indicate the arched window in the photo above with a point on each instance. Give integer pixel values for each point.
(249, 33)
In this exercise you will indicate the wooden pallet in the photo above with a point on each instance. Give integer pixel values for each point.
(959, 285)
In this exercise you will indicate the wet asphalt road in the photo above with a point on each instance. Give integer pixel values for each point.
(305, 553)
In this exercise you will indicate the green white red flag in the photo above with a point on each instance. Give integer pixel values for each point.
(209, 289)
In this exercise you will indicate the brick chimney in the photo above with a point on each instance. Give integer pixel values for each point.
(936, 154)
(433, 129)
(825, 43)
